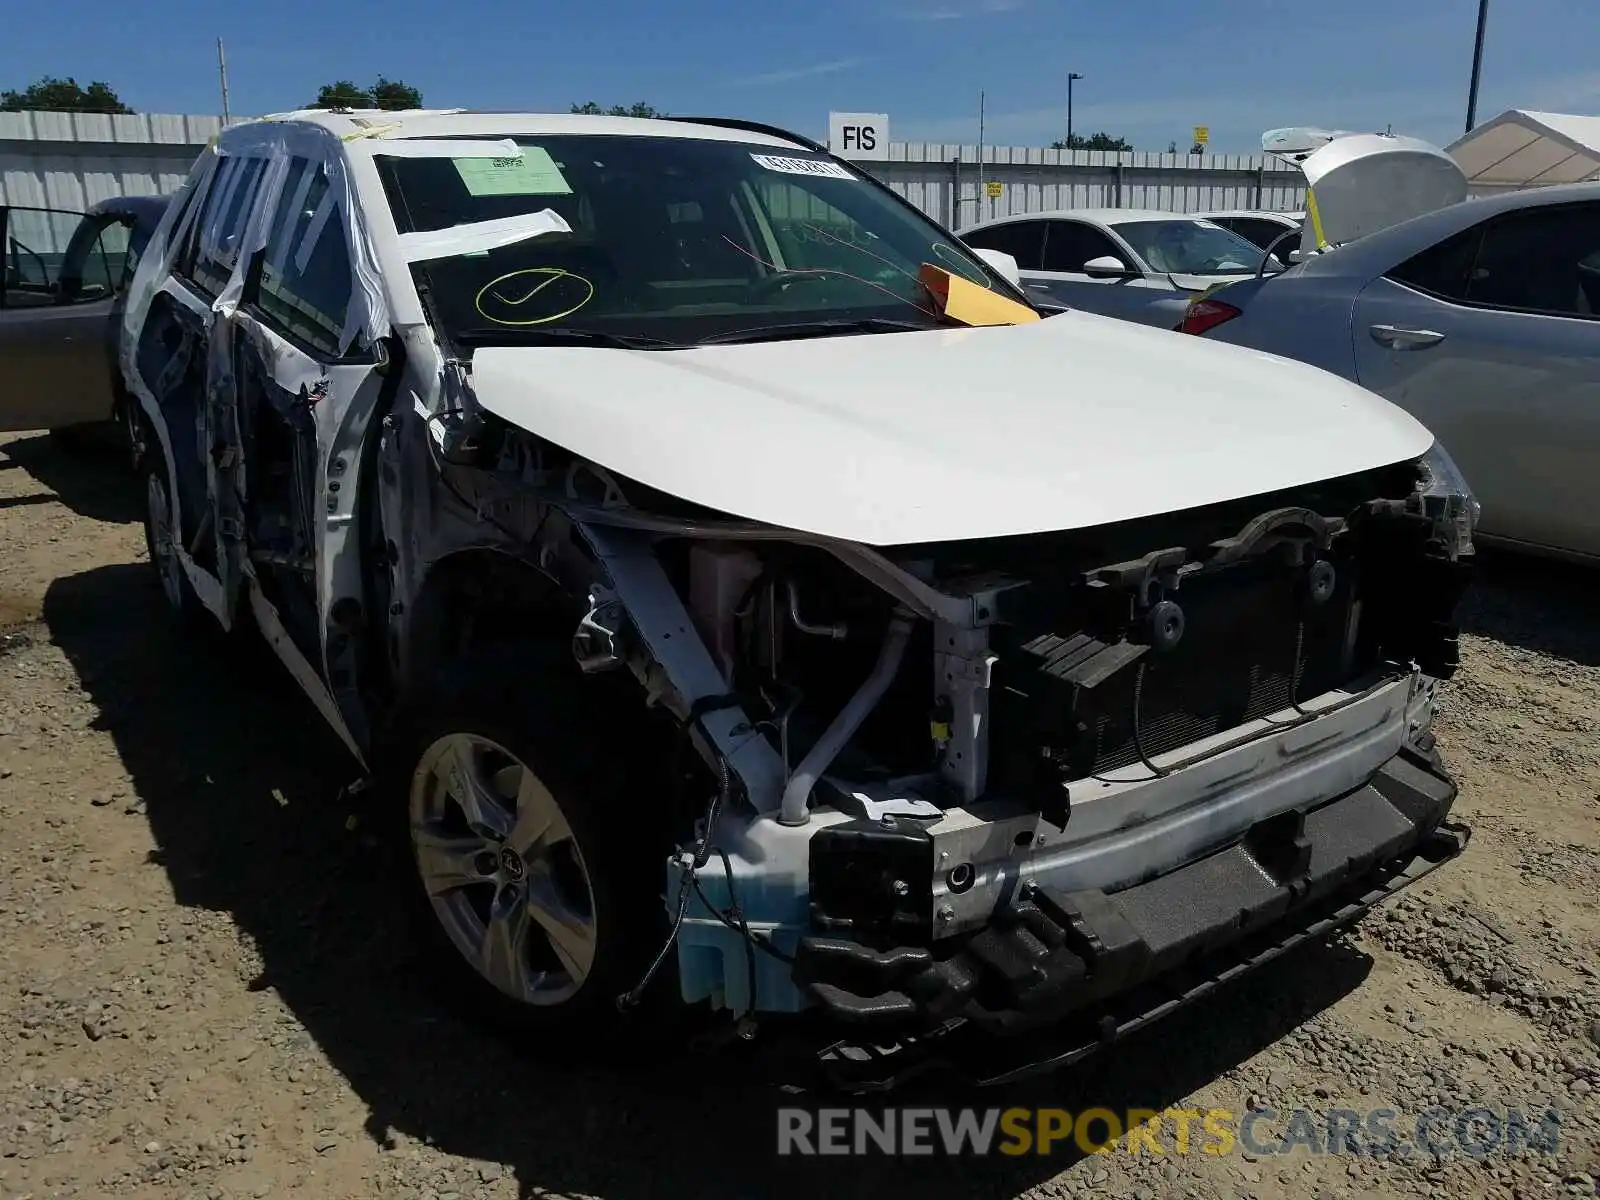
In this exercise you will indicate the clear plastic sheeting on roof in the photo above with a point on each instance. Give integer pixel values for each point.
(1520, 148)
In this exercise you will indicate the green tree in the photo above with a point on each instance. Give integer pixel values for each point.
(1095, 141)
(590, 108)
(386, 93)
(342, 94)
(50, 94)
(393, 94)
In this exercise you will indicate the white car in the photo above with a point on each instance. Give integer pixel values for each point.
(1263, 228)
(1137, 264)
(723, 621)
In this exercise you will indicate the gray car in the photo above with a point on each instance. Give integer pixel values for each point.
(1137, 264)
(1483, 320)
(62, 287)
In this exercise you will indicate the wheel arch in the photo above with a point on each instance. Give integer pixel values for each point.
(473, 597)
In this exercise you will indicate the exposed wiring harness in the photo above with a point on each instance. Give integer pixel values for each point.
(686, 884)
(733, 918)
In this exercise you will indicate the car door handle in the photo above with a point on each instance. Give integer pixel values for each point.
(1397, 338)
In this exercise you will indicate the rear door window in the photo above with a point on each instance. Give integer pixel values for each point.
(1023, 240)
(1541, 260)
(1442, 270)
(1072, 243)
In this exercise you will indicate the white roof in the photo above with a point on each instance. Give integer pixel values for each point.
(1270, 214)
(1520, 148)
(1099, 216)
(446, 122)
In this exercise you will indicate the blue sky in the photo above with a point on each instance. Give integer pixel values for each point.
(1153, 68)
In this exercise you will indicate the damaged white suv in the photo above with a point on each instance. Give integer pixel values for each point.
(728, 621)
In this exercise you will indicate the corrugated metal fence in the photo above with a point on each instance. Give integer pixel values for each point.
(949, 183)
(68, 161)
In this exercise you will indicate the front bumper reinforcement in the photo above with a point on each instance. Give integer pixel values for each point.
(1058, 975)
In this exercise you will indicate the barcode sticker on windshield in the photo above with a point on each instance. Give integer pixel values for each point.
(803, 166)
(531, 173)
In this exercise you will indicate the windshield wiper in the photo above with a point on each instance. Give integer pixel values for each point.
(482, 335)
(805, 329)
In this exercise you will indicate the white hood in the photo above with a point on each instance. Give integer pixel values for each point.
(890, 438)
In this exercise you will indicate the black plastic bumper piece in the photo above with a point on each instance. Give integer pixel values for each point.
(1083, 968)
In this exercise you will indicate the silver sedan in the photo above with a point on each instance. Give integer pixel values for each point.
(1482, 319)
(1137, 264)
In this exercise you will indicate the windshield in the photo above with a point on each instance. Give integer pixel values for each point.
(672, 240)
(1190, 247)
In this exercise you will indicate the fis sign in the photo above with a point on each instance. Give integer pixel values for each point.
(861, 136)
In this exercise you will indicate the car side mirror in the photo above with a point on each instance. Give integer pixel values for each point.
(1296, 256)
(1002, 264)
(1107, 266)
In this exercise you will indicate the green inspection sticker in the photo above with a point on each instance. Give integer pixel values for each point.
(531, 173)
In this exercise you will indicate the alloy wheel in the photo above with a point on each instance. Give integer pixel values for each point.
(502, 869)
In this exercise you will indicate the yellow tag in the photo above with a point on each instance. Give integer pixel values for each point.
(939, 730)
(970, 303)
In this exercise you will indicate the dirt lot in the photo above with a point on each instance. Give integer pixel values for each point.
(205, 993)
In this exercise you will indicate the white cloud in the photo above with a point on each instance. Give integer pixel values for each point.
(958, 11)
(790, 74)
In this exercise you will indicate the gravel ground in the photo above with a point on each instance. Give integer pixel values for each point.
(205, 994)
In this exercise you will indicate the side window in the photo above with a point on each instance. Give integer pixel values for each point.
(1264, 233)
(1258, 232)
(36, 242)
(1023, 240)
(92, 267)
(138, 238)
(1072, 243)
(305, 277)
(1442, 269)
(1542, 260)
(214, 245)
(115, 255)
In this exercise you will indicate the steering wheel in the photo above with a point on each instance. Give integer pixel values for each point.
(779, 280)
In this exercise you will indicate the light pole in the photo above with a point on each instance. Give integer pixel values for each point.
(1071, 77)
(1477, 65)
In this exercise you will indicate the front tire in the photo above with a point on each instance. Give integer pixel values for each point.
(161, 544)
(535, 855)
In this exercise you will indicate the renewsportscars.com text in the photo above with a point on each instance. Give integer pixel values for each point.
(1374, 1133)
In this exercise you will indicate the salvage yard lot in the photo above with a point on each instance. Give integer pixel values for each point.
(205, 992)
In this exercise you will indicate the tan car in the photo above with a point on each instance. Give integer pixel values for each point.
(61, 294)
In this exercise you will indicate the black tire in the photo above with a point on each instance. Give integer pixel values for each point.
(574, 733)
(133, 431)
(172, 585)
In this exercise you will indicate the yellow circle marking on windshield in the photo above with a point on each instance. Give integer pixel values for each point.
(951, 255)
(550, 275)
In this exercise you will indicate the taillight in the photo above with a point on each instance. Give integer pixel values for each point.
(1204, 315)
